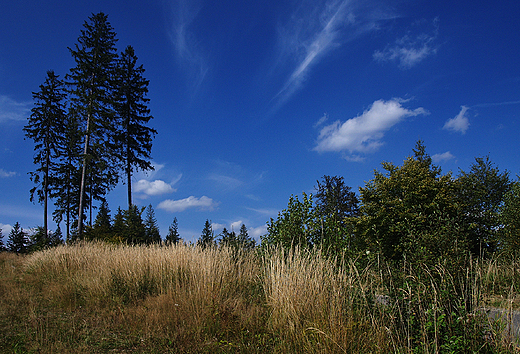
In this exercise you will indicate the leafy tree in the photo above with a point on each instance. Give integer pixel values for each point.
(17, 241)
(411, 211)
(509, 217)
(244, 240)
(481, 194)
(173, 236)
(207, 238)
(294, 226)
(150, 224)
(135, 138)
(92, 97)
(45, 128)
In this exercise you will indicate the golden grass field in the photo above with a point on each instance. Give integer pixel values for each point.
(101, 298)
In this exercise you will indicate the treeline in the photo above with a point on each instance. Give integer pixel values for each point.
(133, 226)
(411, 212)
(90, 129)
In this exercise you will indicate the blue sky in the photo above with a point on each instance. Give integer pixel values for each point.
(256, 100)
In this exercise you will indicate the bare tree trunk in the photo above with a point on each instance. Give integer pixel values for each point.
(82, 185)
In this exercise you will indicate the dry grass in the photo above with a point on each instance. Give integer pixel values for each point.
(96, 298)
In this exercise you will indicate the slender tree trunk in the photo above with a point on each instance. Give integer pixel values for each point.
(82, 185)
(128, 172)
(84, 169)
(46, 189)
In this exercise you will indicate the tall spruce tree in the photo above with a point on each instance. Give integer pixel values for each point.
(68, 174)
(134, 137)
(92, 97)
(45, 128)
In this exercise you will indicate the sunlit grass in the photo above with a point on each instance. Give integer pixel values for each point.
(95, 297)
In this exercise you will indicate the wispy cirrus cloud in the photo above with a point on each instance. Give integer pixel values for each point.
(314, 30)
(410, 49)
(202, 203)
(187, 48)
(6, 174)
(460, 123)
(364, 133)
(12, 110)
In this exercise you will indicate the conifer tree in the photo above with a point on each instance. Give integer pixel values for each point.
(55, 238)
(45, 128)
(102, 229)
(173, 236)
(150, 224)
(207, 239)
(135, 231)
(92, 90)
(134, 137)
(2, 246)
(244, 240)
(17, 241)
(119, 228)
(228, 239)
(68, 174)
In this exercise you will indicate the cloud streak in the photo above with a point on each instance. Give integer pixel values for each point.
(364, 133)
(312, 32)
(6, 174)
(11, 110)
(187, 50)
(202, 203)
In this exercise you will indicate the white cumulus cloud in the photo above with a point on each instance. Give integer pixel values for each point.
(187, 203)
(151, 188)
(446, 156)
(6, 229)
(363, 133)
(460, 123)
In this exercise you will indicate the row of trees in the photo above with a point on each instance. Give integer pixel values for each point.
(411, 211)
(21, 241)
(226, 238)
(91, 129)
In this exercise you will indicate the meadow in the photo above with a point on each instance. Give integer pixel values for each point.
(97, 298)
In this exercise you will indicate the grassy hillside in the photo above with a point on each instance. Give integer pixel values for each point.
(96, 298)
